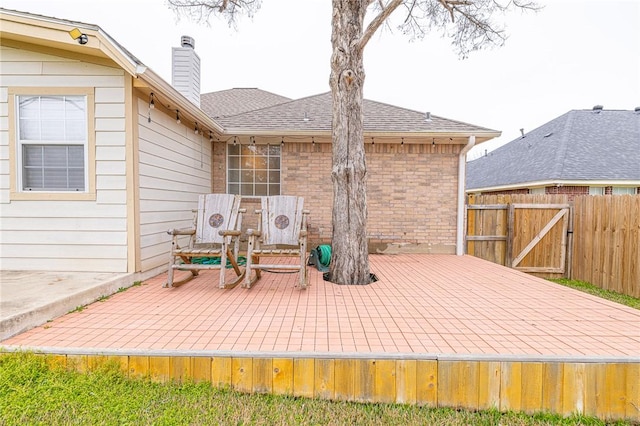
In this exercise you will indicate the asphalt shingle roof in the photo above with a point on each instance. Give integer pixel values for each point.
(378, 117)
(236, 101)
(581, 145)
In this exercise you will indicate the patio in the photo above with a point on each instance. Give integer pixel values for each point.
(472, 324)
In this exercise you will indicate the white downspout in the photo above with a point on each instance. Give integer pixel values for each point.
(462, 176)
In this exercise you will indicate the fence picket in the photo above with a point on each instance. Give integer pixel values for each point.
(604, 246)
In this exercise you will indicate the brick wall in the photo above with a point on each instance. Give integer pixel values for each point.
(411, 193)
(570, 191)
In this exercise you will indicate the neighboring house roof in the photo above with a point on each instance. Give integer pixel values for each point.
(22, 29)
(237, 101)
(579, 146)
(313, 114)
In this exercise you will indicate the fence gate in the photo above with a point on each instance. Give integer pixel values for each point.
(530, 237)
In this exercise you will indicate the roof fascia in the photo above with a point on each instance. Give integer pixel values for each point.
(463, 137)
(51, 31)
(545, 183)
(147, 78)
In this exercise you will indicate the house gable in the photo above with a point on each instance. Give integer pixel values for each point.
(312, 115)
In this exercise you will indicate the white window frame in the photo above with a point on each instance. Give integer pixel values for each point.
(18, 192)
(624, 190)
(236, 186)
(596, 190)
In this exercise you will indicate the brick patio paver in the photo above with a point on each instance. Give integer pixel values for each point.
(422, 304)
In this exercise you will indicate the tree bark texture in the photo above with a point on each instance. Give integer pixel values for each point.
(349, 259)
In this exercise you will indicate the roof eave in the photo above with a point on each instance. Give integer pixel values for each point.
(557, 182)
(148, 78)
(481, 136)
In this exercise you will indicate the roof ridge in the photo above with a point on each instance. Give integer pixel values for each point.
(268, 107)
(564, 142)
(245, 88)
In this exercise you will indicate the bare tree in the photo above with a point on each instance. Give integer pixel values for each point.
(468, 23)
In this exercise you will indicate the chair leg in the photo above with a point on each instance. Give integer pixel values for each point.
(247, 274)
(224, 255)
(169, 282)
(304, 278)
(223, 266)
(303, 270)
(303, 264)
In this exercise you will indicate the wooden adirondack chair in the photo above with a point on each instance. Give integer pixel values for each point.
(283, 228)
(215, 235)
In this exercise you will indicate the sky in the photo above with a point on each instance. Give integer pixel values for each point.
(569, 55)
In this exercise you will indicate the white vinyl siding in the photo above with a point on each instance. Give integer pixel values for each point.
(54, 231)
(174, 168)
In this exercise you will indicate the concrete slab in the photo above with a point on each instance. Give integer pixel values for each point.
(31, 298)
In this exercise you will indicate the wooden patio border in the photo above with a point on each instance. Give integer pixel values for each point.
(603, 387)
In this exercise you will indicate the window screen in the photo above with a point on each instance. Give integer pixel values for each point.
(52, 137)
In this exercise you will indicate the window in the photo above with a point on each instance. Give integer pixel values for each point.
(596, 190)
(253, 170)
(52, 147)
(623, 190)
(52, 137)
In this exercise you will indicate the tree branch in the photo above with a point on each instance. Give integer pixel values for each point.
(200, 11)
(377, 21)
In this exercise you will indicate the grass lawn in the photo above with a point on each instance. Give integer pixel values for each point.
(32, 391)
(586, 287)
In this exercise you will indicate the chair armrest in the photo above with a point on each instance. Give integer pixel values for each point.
(242, 210)
(228, 232)
(303, 233)
(183, 231)
(257, 211)
(253, 232)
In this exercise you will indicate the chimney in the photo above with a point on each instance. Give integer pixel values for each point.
(185, 70)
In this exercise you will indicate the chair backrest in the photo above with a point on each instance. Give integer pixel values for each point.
(216, 212)
(281, 219)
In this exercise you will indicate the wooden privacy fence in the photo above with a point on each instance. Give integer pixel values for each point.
(606, 242)
(531, 233)
(594, 239)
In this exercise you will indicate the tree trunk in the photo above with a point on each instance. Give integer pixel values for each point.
(349, 258)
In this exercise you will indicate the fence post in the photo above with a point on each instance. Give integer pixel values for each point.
(508, 256)
(569, 243)
(471, 226)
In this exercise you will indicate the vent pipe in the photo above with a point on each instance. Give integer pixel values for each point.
(186, 41)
